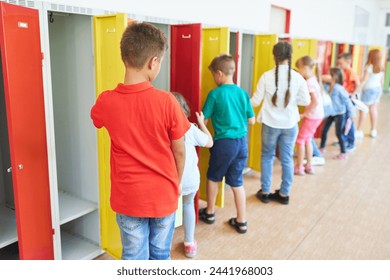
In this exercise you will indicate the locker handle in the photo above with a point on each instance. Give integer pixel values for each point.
(213, 38)
(20, 166)
(112, 30)
(9, 170)
(186, 36)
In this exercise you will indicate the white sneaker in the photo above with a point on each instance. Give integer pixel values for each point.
(317, 161)
(359, 134)
(374, 133)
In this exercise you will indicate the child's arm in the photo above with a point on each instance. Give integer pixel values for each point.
(251, 120)
(179, 153)
(258, 95)
(202, 125)
(313, 104)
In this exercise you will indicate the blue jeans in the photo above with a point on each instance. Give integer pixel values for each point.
(146, 238)
(285, 139)
(189, 217)
(316, 151)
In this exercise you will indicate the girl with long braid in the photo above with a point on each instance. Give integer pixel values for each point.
(282, 90)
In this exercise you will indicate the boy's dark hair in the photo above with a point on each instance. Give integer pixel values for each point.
(337, 74)
(183, 103)
(346, 56)
(140, 42)
(281, 52)
(224, 63)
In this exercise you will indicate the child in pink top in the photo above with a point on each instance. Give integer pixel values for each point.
(312, 116)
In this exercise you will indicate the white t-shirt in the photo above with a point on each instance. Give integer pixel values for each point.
(191, 176)
(280, 116)
(374, 79)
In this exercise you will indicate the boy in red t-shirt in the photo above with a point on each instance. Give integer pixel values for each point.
(147, 128)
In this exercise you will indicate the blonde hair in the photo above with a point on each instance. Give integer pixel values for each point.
(224, 63)
(183, 103)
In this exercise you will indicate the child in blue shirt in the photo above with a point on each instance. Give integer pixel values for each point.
(341, 107)
(230, 111)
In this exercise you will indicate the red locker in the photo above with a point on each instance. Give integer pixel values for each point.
(23, 90)
(185, 64)
(186, 68)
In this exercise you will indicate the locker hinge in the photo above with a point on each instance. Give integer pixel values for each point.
(43, 55)
(53, 231)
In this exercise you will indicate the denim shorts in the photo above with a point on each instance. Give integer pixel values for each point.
(228, 158)
(371, 95)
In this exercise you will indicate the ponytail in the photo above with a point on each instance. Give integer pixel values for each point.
(287, 97)
(275, 96)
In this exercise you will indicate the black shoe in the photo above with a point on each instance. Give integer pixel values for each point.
(277, 197)
(262, 197)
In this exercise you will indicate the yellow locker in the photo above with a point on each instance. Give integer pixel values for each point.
(334, 55)
(110, 71)
(357, 58)
(215, 41)
(302, 47)
(262, 61)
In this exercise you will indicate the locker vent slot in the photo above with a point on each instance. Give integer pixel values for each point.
(68, 9)
(22, 2)
(30, 4)
(12, 2)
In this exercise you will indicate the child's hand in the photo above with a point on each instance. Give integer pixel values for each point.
(200, 117)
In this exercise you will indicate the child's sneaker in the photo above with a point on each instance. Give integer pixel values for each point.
(190, 249)
(341, 157)
(317, 161)
(359, 134)
(374, 133)
(277, 197)
(309, 169)
(299, 170)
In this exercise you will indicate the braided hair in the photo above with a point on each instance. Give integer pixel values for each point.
(281, 52)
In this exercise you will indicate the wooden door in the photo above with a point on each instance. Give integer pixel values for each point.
(110, 71)
(215, 41)
(263, 61)
(23, 88)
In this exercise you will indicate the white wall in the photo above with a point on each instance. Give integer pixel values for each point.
(321, 19)
(330, 19)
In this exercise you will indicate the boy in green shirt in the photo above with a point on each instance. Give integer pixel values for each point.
(230, 111)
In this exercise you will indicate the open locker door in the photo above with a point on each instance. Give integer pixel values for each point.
(185, 72)
(215, 41)
(262, 62)
(108, 30)
(23, 88)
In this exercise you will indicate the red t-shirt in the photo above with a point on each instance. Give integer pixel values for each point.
(141, 122)
(349, 81)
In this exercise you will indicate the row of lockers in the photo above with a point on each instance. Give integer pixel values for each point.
(54, 179)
